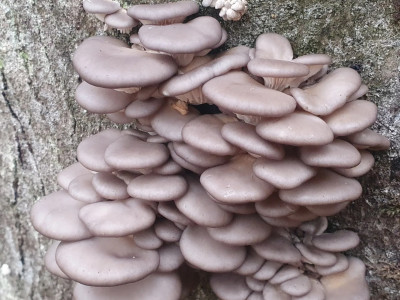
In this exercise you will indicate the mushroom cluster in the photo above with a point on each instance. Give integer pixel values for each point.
(231, 166)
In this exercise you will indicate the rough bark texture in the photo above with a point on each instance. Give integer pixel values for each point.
(41, 125)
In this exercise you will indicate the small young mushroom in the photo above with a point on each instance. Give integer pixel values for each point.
(229, 286)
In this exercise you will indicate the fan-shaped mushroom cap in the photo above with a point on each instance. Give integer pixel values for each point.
(121, 21)
(272, 292)
(316, 293)
(169, 210)
(100, 6)
(229, 90)
(273, 46)
(368, 139)
(169, 168)
(194, 36)
(81, 189)
(255, 296)
(298, 286)
(144, 108)
(243, 230)
(110, 63)
(274, 207)
(167, 231)
(109, 186)
(244, 136)
(163, 13)
(130, 153)
(278, 248)
(251, 264)
(302, 215)
(168, 122)
(229, 286)
(105, 261)
(119, 117)
(332, 92)
(338, 154)
(326, 187)
(241, 209)
(339, 241)
(56, 217)
(254, 284)
(234, 58)
(342, 263)
(91, 150)
(65, 177)
(204, 133)
(202, 251)
(117, 218)
(50, 261)
(147, 239)
(349, 284)
(316, 256)
(281, 221)
(267, 270)
(296, 129)
(168, 288)
(367, 162)
(362, 90)
(171, 258)
(183, 163)
(285, 273)
(154, 187)
(264, 67)
(327, 209)
(197, 205)
(198, 157)
(235, 182)
(353, 117)
(287, 173)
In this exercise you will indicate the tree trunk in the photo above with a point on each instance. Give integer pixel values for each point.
(41, 125)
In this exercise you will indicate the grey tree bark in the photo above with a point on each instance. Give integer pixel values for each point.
(41, 125)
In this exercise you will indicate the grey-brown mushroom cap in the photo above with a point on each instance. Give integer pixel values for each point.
(229, 286)
(326, 187)
(101, 100)
(272, 292)
(204, 133)
(106, 261)
(234, 58)
(284, 274)
(342, 263)
(273, 46)
(279, 249)
(130, 153)
(267, 270)
(229, 90)
(287, 173)
(255, 284)
(235, 182)
(91, 150)
(368, 139)
(274, 207)
(199, 207)
(101, 6)
(154, 187)
(251, 264)
(171, 258)
(109, 186)
(264, 67)
(169, 211)
(244, 136)
(68, 174)
(50, 261)
(144, 108)
(167, 231)
(338, 154)
(117, 218)
(338, 241)
(317, 292)
(81, 189)
(298, 286)
(56, 217)
(121, 20)
(296, 129)
(349, 284)
(110, 63)
(313, 255)
(147, 239)
(243, 230)
(163, 12)
(207, 254)
(196, 35)
(330, 93)
(367, 162)
(353, 117)
(168, 285)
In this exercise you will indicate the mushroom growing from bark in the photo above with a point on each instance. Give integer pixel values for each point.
(242, 193)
